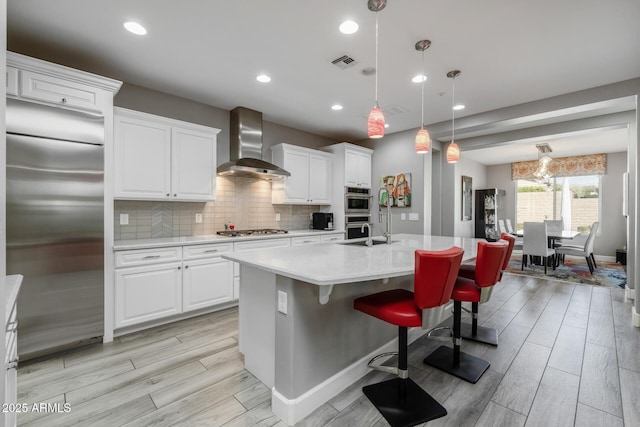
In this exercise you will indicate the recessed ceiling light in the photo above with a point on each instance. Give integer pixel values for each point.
(263, 78)
(348, 27)
(135, 28)
(458, 107)
(419, 78)
(336, 107)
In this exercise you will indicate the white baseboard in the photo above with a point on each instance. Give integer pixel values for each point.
(292, 411)
(635, 317)
(629, 294)
(604, 258)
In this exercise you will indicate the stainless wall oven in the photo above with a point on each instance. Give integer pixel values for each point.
(353, 226)
(357, 200)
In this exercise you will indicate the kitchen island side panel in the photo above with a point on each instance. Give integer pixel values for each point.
(256, 320)
(315, 342)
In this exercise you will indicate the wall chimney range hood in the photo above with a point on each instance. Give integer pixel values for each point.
(245, 151)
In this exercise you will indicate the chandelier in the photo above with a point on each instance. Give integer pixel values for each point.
(542, 174)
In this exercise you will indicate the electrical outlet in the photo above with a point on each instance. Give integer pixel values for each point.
(277, 216)
(282, 302)
(198, 218)
(124, 219)
(414, 216)
(403, 216)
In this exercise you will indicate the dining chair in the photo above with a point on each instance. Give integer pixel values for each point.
(585, 251)
(501, 227)
(535, 244)
(554, 228)
(509, 226)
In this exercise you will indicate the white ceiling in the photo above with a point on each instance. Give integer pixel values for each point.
(509, 52)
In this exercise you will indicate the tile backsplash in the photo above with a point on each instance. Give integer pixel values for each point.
(243, 202)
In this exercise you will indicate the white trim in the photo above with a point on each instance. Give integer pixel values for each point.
(23, 62)
(166, 121)
(629, 294)
(604, 258)
(635, 317)
(292, 411)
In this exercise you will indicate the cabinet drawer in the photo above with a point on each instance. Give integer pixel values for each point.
(332, 238)
(58, 91)
(261, 244)
(147, 256)
(308, 240)
(12, 81)
(205, 251)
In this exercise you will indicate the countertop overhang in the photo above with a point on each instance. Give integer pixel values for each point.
(338, 263)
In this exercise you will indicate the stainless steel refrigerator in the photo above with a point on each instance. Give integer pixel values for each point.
(55, 225)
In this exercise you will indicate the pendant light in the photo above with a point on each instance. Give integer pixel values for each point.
(375, 122)
(453, 151)
(423, 139)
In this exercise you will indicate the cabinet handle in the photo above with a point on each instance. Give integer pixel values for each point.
(64, 100)
(209, 251)
(168, 195)
(13, 364)
(152, 257)
(186, 266)
(175, 195)
(179, 268)
(12, 326)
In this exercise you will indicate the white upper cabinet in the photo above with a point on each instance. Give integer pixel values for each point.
(310, 180)
(163, 159)
(193, 156)
(357, 164)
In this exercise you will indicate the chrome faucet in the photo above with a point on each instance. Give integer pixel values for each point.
(369, 240)
(387, 232)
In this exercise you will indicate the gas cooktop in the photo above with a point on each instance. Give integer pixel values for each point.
(257, 232)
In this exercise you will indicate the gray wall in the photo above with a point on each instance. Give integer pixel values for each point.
(393, 154)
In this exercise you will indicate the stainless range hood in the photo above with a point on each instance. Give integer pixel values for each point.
(245, 151)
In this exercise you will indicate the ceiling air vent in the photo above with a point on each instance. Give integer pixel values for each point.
(394, 110)
(344, 62)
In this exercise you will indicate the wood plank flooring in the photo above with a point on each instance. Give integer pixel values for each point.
(567, 356)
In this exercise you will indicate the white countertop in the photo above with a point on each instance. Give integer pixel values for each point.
(336, 263)
(121, 245)
(12, 290)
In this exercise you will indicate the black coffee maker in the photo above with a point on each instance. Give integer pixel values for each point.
(322, 221)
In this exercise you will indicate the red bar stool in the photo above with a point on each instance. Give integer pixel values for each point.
(473, 331)
(487, 272)
(400, 400)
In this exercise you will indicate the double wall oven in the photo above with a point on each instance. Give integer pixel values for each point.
(357, 212)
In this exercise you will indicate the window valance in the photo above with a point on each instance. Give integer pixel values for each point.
(592, 164)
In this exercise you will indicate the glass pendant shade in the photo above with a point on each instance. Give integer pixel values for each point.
(453, 153)
(423, 141)
(375, 123)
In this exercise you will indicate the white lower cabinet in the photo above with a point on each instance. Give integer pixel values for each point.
(206, 282)
(147, 293)
(152, 284)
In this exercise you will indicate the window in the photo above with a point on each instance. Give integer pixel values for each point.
(578, 205)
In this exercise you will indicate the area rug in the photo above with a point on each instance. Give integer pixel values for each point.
(573, 270)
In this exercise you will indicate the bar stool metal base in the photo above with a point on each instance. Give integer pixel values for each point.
(483, 334)
(469, 369)
(403, 403)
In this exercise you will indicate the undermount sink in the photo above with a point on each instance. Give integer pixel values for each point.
(364, 242)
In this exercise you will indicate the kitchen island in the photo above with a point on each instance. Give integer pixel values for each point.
(298, 331)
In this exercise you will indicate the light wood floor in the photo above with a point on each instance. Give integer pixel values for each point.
(567, 356)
